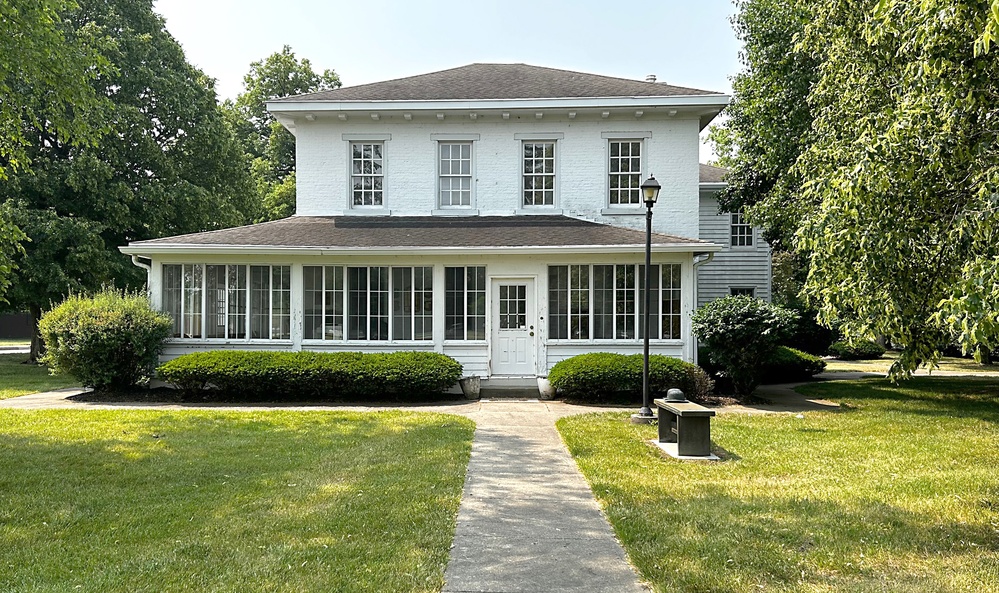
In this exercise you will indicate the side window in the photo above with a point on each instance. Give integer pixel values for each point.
(742, 291)
(742, 231)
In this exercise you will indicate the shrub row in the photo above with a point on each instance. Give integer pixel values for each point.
(784, 365)
(247, 375)
(862, 350)
(603, 376)
(109, 341)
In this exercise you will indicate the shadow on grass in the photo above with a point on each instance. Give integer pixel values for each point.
(713, 541)
(228, 501)
(938, 396)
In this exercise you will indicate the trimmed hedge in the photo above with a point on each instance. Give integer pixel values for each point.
(785, 365)
(602, 376)
(109, 341)
(788, 365)
(862, 350)
(249, 375)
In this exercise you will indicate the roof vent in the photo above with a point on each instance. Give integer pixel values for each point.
(650, 78)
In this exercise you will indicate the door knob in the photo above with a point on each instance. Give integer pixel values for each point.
(532, 333)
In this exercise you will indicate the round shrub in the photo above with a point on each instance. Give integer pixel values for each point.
(741, 334)
(861, 350)
(788, 365)
(110, 341)
(608, 376)
(249, 375)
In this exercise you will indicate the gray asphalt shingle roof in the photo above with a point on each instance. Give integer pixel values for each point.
(421, 231)
(498, 81)
(712, 174)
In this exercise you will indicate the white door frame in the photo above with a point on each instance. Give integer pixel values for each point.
(532, 316)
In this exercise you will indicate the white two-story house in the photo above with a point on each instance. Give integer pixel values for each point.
(490, 212)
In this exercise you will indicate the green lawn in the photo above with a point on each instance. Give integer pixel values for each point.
(19, 379)
(131, 501)
(880, 365)
(897, 492)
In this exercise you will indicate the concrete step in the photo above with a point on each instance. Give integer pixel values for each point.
(509, 393)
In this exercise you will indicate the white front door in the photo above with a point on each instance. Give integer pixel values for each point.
(513, 327)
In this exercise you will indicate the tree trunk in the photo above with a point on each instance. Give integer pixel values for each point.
(37, 345)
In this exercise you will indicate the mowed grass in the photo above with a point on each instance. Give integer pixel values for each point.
(881, 365)
(898, 492)
(17, 378)
(129, 501)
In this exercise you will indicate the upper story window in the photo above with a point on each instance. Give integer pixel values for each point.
(625, 171)
(742, 231)
(539, 173)
(367, 173)
(455, 173)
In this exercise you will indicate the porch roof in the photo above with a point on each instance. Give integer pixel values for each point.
(421, 234)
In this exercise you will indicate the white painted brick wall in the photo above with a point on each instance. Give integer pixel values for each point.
(671, 153)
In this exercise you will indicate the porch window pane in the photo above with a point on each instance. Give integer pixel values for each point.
(260, 302)
(312, 307)
(671, 302)
(193, 282)
(379, 303)
(402, 303)
(454, 303)
(357, 303)
(558, 302)
(215, 305)
(579, 302)
(653, 303)
(476, 295)
(423, 303)
(624, 299)
(236, 308)
(172, 296)
(603, 302)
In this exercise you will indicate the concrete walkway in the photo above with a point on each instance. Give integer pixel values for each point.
(528, 521)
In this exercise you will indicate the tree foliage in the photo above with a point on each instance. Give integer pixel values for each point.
(768, 122)
(168, 164)
(885, 178)
(903, 170)
(46, 71)
(270, 144)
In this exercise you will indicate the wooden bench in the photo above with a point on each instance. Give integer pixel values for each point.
(688, 425)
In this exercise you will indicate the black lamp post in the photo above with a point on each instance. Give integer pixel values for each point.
(650, 192)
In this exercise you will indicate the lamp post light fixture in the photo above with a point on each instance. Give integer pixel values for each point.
(650, 192)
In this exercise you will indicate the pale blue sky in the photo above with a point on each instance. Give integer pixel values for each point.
(688, 43)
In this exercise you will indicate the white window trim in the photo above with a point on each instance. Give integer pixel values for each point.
(640, 137)
(470, 140)
(345, 302)
(247, 315)
(382, 139)
(752, 231)
(555, 206)
(638, 316)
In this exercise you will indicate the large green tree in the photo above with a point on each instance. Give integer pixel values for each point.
(169, 164)
(46, 71)
(271, 146)
(769, 120)
(901, 175)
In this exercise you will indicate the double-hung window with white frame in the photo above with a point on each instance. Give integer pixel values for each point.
(455, 167)
(742, 230)
(539, 173)
(625, 172)
(367, 173)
